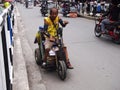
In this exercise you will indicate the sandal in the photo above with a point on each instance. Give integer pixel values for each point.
(69, 66)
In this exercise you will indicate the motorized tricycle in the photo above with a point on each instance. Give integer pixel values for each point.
(112, 30)
(56, 59)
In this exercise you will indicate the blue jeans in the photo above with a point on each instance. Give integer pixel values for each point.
(104, 21)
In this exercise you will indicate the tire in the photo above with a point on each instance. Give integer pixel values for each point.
(44, 14)
(34, 3)
(117, 33)
(13, 21)
(38, 58)
(64, 14)
(26, 5)
(116, 40)
(40, 10)
(62, 69)
(97, 31)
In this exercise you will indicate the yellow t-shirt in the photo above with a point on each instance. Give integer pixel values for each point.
(52, 28)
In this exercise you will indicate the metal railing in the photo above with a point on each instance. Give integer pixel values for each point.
(6, 48)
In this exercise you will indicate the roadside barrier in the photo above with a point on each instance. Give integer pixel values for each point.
(6, 48)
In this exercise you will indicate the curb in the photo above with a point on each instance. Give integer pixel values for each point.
(88, 17)
(20, 79)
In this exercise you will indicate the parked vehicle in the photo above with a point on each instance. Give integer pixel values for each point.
(112, 30)
(56, 59)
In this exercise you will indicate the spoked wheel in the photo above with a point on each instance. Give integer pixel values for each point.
(97, 31)
(38, 57)
(62, 69)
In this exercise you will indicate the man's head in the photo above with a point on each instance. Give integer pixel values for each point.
(53, 13)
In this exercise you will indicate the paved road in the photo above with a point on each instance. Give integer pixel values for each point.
(96, 61)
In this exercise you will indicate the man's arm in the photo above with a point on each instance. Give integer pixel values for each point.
(63, 23)
(45, 25)
(46, 28)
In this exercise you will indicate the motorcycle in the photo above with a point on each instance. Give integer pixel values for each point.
(112, 30)
(28, 3)
(66, 8)
(73, 12)
(56, 59)
(66, 11)
(44, 10)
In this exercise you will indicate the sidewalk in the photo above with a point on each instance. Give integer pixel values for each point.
(87, 16)
(20, 79)
(24, 78)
